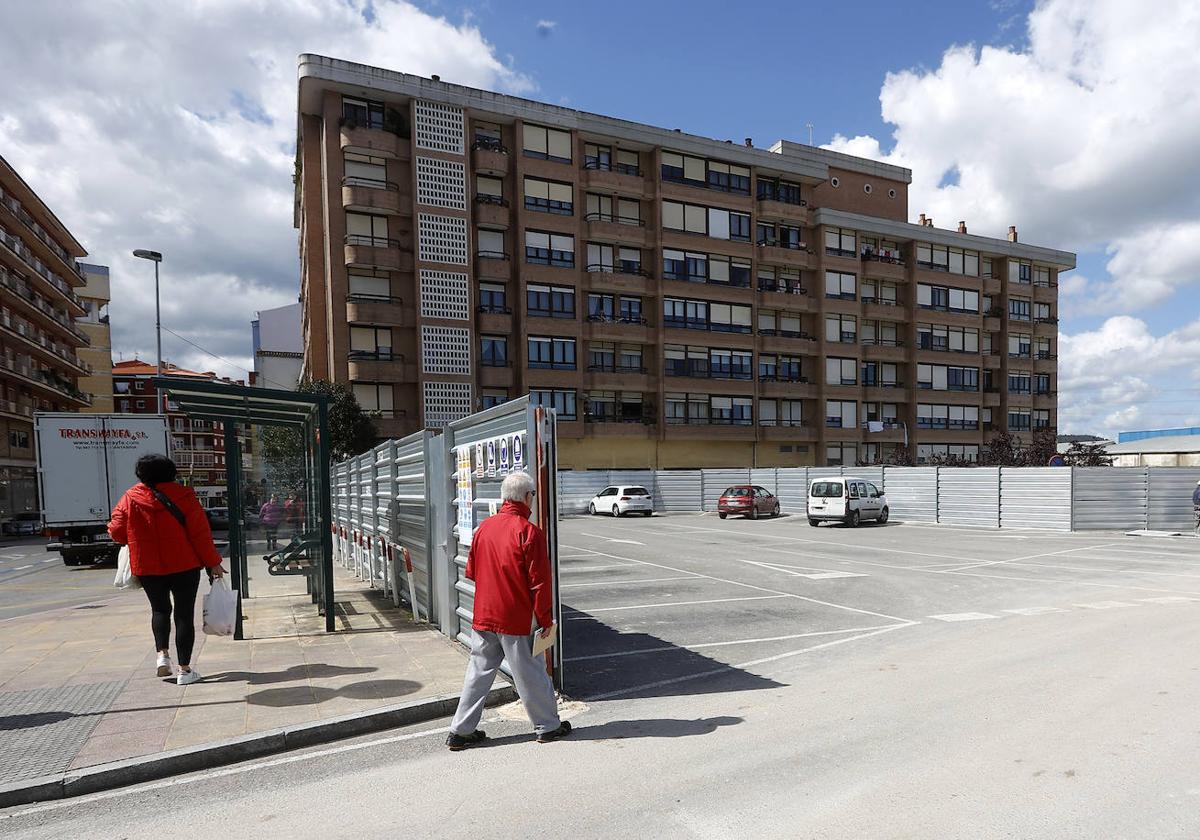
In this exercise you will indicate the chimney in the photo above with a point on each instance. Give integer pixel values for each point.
(1012, 233)
(929, 222)
(436, 77)
(962, 227)
(750, 142)
(921, 220)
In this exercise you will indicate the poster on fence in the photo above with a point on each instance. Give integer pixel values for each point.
(465, 496)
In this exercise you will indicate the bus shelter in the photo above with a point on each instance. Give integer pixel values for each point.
(309, 552)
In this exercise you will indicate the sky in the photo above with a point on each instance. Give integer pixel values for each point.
(171, 126)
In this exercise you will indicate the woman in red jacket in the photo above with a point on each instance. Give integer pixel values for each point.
(169, 543)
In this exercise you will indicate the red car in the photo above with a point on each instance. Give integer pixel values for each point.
(748, 500)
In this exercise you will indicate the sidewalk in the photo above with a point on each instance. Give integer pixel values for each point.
(77, 686)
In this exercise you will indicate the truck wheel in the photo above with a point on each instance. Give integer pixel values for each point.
(813, 522)
(70, 558)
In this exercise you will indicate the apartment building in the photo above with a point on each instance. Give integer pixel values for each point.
(95, 295)
(681, 301)
(39, 342)
(197, 446)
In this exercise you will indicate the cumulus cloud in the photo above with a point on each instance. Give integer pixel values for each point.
(1085, 140)
(172, 127)
(545, 27)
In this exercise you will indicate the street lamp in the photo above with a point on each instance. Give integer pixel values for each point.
(156, 258)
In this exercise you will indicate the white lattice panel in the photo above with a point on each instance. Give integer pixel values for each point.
(439, 127)
(441, 239)
(446, 402)
(444, 294)
(445, 350)
(441, 183)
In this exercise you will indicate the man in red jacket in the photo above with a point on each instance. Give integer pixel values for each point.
(511, 569)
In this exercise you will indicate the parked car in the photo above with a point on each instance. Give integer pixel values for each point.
(218, 518)
(846, 499)
(621, 499)
(24, 525)
(747, 500)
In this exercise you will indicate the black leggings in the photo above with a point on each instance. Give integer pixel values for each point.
(182, 588)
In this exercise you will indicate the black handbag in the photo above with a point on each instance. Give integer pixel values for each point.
(171, 507)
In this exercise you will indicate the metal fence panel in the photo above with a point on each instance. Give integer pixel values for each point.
(767, 478)
(677, 491)
(715, 481)
(912, 493)
(871, 474)
(1035, 497)
(577, 487)
(1169, 492)
(1108, 498)
(793, 489)
(969, 496)
(408, 510)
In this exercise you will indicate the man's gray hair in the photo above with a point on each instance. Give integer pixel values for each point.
(516, 486)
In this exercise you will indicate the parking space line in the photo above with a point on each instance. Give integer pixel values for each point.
(22, 568)
(705, 645)
(1035, 610)
(620, 582)
(1028, 557)
(1169, 599)
(1104, 605)
(966, 616)
(680, 603)
(596, 568)
(1102, 569)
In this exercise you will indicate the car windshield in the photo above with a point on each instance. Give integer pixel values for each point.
(636, 491)
(826, 490)
(739, 491)
(28, 517)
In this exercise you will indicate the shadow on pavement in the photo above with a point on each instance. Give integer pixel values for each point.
(663, 669)
(318, 671)
(617, 730)
(11, 723)
(304, 695)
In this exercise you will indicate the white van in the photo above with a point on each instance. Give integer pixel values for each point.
(845, 499)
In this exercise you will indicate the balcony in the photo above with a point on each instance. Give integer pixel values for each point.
(785, 387)
(884, 391)
(723, 428)
(38, 269)
(43, 239)
(496, 375)
(618, 377)
(625, 230)
(375, 252)
(786, 430)
(779, 253)
(489, 157)
(605, 328)
(613, 177)
(365, 366)
(44, 380)
(494, 319)
(783, 210)
(367, 195)
(372, 309)
(45, 348)
(1045, 292)
(372, 141)
(884, 349)
(883, 266)
(617, 278)
(493, 265)
(492, 211)
(787, 341)
(991, 285)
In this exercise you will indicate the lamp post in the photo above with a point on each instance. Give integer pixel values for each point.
(156, 258)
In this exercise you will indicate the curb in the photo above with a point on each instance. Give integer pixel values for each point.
(232, 750)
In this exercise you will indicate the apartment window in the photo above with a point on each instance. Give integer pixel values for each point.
(685, 265)
(883, 250)
(765, 234)
(1019, 346)
(875, 292)
(493, 351)
(546, 143)
(840, 286)
(493, 297)
(364, 170)
(490, 244)
(629, 260)
(841, 454)
(1041, 313)
(882, 333)
(1019, 308)
(549, 197)
(597, 157)
(363, 229)
(544, 248)
(139, 386)
(947, 378)
(676, 361)
(1020, 272)
(956, 417)
(787, 192)
(699, 172)
(1041, 418)
(929, 451)
(139, 403)
(948, 339)
(880, 375)
(947, 299)
(374, 397)
(841, 414)
(1042, 384)
(371, 341)
(1043, 349)
(1041, 276)
(731, 364)
(550, 301)
(362, 113)
(602, 356)
(631, 309)
(727, 317)
(600, 257)
(628, 162)
(18, 439)
(551, 353)
(841, 329)
(487, 136)
(985, 267)
(1020, 421)
(364, 283)
(709, 221)
(727, 177)
(601, 307)
(492, 397)
(1020, 382)
(562, 402)
(885, 413)
(840, 242)
(841, 371)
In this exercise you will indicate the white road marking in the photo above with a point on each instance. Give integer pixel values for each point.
(627, 542)
(1105, 605)
(49, 559)
(1035, 610)
(22, 568)
(1169, 599)
(967, 616)
(618, 582)
(703, 645)
(1028, 557)
(751, 663)
(831, 575)
(683, 603)
(594, 568)
(610, 539)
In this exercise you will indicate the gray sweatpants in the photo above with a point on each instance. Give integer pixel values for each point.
(533, 683)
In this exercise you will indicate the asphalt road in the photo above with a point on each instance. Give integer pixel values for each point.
(33, 580)
(1016, 685)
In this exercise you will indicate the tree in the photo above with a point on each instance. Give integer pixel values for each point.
(1041, 450)
(1082, 454)
(351, 432)
(1003, 450)
(901, 456)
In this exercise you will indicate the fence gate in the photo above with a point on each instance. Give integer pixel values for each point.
(478, 451)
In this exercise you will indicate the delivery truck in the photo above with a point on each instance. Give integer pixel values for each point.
(85, 463)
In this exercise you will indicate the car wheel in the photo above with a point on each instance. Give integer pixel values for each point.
(592, 509)
(722, 515)
(753, 514)
(883, 516)
(775, 512)
(813, 522)
(852, 519)
(648, 513)
(616, 510)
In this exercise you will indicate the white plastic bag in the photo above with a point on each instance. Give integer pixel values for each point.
(220, 609)
(125, 578)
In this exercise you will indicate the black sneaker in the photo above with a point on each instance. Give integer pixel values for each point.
(461, 742)
(563, 730)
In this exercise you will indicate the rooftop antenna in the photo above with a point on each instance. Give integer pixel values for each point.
(810, 129)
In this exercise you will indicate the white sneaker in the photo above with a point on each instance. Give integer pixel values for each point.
(188, 677)
(164, 665)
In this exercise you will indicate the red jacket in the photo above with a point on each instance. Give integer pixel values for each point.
(157, 543)
(510, 566)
